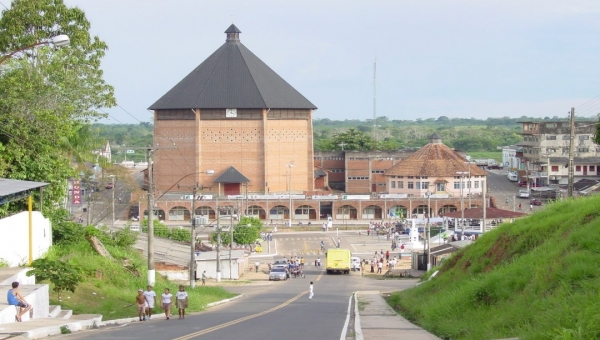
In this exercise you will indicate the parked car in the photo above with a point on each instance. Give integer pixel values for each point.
(279, 273)
(535, 201)
(523, 193)
(495, 166)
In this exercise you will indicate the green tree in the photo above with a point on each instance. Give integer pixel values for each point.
(47, 96)
(353, 139)
(62, 274)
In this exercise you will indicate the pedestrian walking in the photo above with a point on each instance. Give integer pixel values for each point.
(150, 297)
(379, 266)
(256, 264)
(204, 278)
(182, 301)
(318, 262)
(166, 302)
(530, 206)
(339, 242)
(310, 289)
(140, 300)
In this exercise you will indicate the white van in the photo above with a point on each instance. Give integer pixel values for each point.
(512, 176)
(355, 263)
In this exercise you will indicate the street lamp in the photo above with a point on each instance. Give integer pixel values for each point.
(57, 41)
(462, 199)
(291, 165)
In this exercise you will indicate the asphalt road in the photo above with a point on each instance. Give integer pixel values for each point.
(268, 310)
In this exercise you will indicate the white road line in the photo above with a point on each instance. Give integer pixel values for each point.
(345, 329)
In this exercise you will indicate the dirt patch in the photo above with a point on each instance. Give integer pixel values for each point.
(165, 266)
(497, 253)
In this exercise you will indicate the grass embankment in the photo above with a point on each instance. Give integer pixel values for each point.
(537, 278)
(111, 285)
(495, 155)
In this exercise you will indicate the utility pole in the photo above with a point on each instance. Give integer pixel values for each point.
(484, 186)
(193, 240)
(230, 241)
(291, 165)
(571, 152)
(218, 242)
(113, 180)
(151, 271)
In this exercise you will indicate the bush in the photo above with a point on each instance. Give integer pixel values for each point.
(180, 234)
(64, 231)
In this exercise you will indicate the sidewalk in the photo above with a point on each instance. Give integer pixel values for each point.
(376, 320)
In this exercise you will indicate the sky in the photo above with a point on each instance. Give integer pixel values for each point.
(459, 59)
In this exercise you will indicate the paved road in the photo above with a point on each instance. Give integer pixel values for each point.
(267, 311)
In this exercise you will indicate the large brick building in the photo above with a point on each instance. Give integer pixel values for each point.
(234, 115)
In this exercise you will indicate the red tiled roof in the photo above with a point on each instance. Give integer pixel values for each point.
(434, 159)
(477, 213)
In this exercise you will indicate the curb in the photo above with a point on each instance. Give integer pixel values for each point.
(224, 301)
(357, 329)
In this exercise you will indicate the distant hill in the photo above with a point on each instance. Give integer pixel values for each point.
(537, 278)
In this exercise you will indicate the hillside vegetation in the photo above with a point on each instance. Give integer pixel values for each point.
(537, 278)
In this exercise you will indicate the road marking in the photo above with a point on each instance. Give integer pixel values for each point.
(320, 276)
(249, 317)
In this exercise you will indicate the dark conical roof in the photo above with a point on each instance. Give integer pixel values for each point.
(232, 77)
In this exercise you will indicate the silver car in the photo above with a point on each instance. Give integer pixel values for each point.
(279, 273)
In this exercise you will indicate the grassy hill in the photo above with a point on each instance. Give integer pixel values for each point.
(537, 278)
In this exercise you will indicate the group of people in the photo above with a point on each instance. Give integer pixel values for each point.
(380, 260)
(266, 236)
(146, 298)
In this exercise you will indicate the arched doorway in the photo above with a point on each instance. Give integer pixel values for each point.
(206, 211)
(305, 212)
(158, 214)
(279, 212)
(372, 212)
(446, 209)
(346, 212)
(421, 209)
(256, 211)
(179, 214)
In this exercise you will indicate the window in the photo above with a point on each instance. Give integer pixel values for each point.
(409, 177)
(584, 137)
(400, 185)
(377, 171)
(578, 168)
(551, 150)
(418, 185)
(424, 185)
(566, 137)
(476, 184)
(555, 168)
(469, 184)
(456, 185)
(411, 185)
(592, 168)
(583, 149)
(393, 184)
(440, 187)
(553, 137)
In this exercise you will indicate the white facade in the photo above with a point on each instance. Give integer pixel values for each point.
(509, 157)
(14, 238)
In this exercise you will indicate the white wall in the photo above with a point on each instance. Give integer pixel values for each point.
(14, 237)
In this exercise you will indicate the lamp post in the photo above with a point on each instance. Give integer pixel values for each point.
(57, 41)
(462, 199)
(291, 165)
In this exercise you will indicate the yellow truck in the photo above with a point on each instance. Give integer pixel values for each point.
(337, 261)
